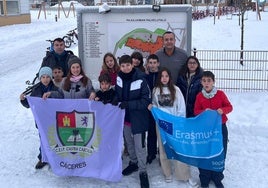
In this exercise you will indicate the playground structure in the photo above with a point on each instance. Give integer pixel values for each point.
(60, 7)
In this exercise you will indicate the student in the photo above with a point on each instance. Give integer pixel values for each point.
(189, 82)
(152, 68)
(106, 93)
(44, 89)
(110, 66)
(134, 94)
(58, 57)
(137, 60)
(210, 98)
(77, 85)
(57, 75)
(168, 97)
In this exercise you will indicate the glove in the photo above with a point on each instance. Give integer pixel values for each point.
(123, 105)
(114, 102)
(105, 102)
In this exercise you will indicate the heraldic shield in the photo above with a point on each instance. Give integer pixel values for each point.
(75, 128)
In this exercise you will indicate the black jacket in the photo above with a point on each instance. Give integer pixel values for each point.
(138, 97)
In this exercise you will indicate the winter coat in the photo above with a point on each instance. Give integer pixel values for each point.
(219, 100)
(52, 59)
(77, 90)
(190, 90)
(138, 98)
(163, 101)
(40, 89)
(151, 79)
(106, 96)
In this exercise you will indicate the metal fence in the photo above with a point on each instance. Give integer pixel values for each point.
(236, 70)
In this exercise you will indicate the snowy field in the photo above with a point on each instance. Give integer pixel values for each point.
(22, 49)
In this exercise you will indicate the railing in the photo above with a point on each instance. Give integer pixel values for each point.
(236, 70)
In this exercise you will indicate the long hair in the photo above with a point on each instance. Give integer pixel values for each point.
(105, 68)
(67, 82)
(138, 55)
(170, 84)
(185, 70)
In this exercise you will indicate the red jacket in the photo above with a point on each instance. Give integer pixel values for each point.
(220, 100)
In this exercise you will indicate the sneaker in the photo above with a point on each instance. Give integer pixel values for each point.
(150, 159)
(40, 165)
(219, 185)
(132, 167)
(144, 180)
(168, 179)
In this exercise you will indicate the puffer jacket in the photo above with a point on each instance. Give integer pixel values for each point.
(138, 99)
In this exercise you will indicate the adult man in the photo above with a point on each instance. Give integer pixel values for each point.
(171, 56)
(58, 57)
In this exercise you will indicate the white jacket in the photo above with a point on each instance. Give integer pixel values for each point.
(163, 101)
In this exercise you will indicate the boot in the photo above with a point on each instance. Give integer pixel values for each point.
(132, 167)
(40, 165)
(144, 180)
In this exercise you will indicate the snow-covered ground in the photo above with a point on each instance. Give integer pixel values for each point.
(22, 49)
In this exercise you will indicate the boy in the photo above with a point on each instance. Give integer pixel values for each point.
(152, 67)
(212, 99)
(106, 93)
(134, 94)
(57, 75)
(44, 89)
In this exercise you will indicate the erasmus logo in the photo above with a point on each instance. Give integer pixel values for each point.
(75, 132)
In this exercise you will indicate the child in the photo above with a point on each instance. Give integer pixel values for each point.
(189, 82)
(57, 75)
(152, 67)
(168, 97)
(134, 94)
(106, 93)
(110, 66)
(44, 89)
(212, 99)
(77, 85)
(137, 60)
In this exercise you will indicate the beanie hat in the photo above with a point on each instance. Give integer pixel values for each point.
(45, 71)
(74, 59)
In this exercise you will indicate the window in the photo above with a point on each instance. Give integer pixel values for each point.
(12, 7)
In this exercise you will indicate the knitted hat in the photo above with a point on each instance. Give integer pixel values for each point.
(74, 59)
(45, 71)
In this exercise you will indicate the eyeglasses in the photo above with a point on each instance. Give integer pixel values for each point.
(192, 62)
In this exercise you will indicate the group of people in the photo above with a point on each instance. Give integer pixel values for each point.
(169, 80)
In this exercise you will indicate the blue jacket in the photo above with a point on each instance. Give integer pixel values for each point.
(135, 90)
(190, 91)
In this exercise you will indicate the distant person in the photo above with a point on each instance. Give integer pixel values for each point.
(45, 89)
(168, 97)
(171, 56)
(152, 65)
(57, 75)
(110, 66)
(58, 57)
(134, 95)
(76, 85)
(106, 93)
(189, 82)
(210, 98)
(137, 60)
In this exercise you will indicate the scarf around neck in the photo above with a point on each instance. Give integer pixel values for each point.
(210, 94)
(76, 78)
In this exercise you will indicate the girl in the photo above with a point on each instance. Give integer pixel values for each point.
(77, 85)
(45, 88)
(212, 99)
(137, 60)
(110, 67)
(168, 97)
(189, 82)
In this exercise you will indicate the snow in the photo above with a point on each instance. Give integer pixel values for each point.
(22, 49)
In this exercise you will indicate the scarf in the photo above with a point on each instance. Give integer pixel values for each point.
(76, 78)
(210, 94)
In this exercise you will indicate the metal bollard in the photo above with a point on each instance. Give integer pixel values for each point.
(56, 18)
